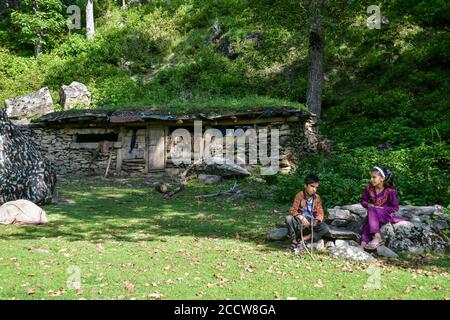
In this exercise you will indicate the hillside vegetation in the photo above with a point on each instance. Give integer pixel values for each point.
(386, 91)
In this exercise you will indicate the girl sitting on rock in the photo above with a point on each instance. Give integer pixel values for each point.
(380, 200)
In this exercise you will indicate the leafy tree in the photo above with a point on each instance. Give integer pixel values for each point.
(39, 22)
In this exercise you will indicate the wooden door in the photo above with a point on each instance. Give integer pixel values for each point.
(156, 148)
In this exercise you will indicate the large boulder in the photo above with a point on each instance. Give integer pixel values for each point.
(342, 233)
(348, 217)
(350, 253)
(277, 234)
(414, 236)
(340, 214)
(222, 167)
(420, 210)
(74, 94)
(24, 172)
(34, 104)
(406, 236)
(355, 208)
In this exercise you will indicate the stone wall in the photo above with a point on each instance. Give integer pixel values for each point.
(74, 158)
(290, 133)
(71, 158)
(423, 231)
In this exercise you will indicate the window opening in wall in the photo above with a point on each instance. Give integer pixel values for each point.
(96, 137)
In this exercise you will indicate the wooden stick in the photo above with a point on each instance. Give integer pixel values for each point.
(109, 163)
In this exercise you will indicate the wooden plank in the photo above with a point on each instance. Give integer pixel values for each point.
(119, 157)
(156, 146)
(146, 149)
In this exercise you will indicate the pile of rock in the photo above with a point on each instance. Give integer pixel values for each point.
(422, 233)
(24, 172)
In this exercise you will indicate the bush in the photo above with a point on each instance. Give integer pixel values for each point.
(421, 174)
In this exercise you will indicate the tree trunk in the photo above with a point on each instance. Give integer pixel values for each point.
(316, 51)
(38, 42)
(90, 28)
(315, 73)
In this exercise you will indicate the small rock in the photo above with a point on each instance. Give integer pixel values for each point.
(277, 234)
(351, 253)
(424, 218)
(39, 250)
(340, 223)
(341, 243)
(353, 243)
(356, 209)
(439, 224)
(329, 244)
(415, 219)
(216, 32)
(209, 178)
(340, 214)
(319, 245)
(416, 250)
(339, 233)
(386, 252)
(227, 48)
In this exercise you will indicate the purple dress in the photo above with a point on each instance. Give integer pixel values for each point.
(377, 217)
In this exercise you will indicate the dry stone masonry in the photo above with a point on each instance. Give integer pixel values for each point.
(69, 157)
(422, 233)
(24, 172)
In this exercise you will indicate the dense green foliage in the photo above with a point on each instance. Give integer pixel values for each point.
(387, 103)
(386, 91)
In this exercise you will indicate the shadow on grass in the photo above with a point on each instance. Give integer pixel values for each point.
(104, 211)
(436, 261)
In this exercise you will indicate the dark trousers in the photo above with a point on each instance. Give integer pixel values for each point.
(294, 226)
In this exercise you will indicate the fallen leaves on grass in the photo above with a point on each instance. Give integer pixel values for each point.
(100, 248)
(129, 286)
(249, 268)
(319, 283)
(156, 295)
(58, 292)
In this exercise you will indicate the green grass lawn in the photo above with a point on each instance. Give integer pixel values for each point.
(129, 243)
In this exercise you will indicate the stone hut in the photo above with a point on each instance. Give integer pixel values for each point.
(94, 142)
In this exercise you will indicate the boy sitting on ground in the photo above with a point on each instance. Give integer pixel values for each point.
(306, 211)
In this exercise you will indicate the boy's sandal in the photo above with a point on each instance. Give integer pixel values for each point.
(300, 249)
